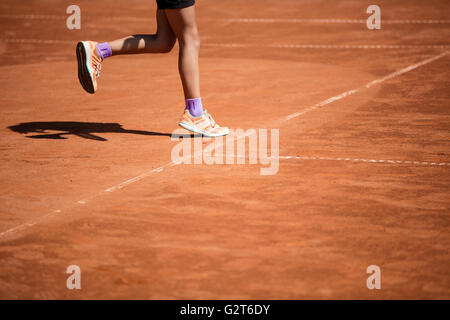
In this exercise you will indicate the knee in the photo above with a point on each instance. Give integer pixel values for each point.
(166, 44)
(191, 39)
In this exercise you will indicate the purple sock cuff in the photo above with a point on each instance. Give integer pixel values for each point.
(104, 50)
(194, 106)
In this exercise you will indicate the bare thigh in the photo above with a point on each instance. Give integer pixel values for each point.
(164, 31)
(160, 42)
(183, 23)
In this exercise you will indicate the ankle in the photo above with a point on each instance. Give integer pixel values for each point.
(194, 106)
(104, 50)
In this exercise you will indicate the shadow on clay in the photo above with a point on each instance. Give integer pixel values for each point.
(83, 129)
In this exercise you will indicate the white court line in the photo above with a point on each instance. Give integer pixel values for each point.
(383, 161)
(329, 46)
(39, 41)
(276, 46)
(29, 223)
(144, 175)
(360, 46)
(140, 177)
(366, 86)
(62, 17)
(33, 16)
(244, 20)
(335, 21)
(294, 115)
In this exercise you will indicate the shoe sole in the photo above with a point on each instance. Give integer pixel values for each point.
(197, 130)
(83, 70)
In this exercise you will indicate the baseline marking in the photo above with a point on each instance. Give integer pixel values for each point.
(328, 46)
(275, 46)
(244, 20)
(407, 162)
(383, 161)
(332, 21)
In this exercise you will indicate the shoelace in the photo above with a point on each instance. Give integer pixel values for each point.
(213, 123)
(97, 65)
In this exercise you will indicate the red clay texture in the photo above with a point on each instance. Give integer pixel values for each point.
(363, 179)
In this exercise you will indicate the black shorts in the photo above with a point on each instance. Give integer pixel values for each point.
(174, 4)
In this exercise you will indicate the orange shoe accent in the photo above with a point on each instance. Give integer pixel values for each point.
(204, 125)
(89, 65)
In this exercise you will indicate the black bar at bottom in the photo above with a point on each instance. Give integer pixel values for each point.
(225, 309)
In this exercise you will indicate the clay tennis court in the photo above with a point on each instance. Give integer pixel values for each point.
(364, 170)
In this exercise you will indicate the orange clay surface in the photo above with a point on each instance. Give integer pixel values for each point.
(225, 231)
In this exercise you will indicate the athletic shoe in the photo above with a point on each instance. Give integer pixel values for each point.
(89, 65)
(203, 124)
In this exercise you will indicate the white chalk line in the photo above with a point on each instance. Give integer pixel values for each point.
(328, 46)
(366, 86)
(243, 20)
(39, 41)
(292, 116)
(360, 46)
(140, 177)
(28, 224)
(335, 21)
(87, 19)
(275, 46)
(383, 161)
(86, 200)
(160, 169)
